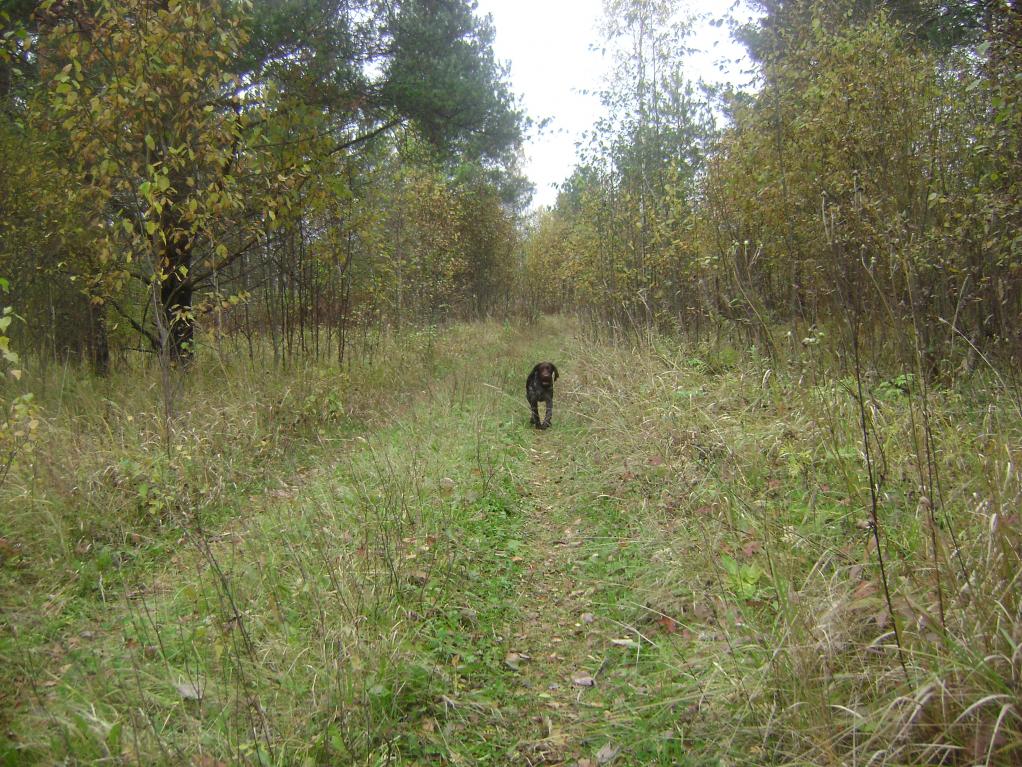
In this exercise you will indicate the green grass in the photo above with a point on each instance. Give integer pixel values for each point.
(389, 566)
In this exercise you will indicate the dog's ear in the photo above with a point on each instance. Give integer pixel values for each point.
(535, 370)
(556, 374)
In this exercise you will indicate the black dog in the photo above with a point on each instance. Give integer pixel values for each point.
(539, 386)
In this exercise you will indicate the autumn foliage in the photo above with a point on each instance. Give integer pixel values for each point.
(172, 161)
(869, 177)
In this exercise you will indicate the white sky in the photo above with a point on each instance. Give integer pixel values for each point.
(547, 44)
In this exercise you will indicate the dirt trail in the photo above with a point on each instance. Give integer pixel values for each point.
(559, 629)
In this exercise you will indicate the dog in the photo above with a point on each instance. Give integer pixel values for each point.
(539, 387)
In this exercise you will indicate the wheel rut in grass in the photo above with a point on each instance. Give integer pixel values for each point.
(559, 663)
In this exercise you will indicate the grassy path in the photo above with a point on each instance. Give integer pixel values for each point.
(556, 614)
(444, 584)
(579, 691)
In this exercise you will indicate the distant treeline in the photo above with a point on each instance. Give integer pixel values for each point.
(871, 175)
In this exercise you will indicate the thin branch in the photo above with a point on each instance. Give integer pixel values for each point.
(153, 340)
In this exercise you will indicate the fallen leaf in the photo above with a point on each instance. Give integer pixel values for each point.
(8, 549)
(607, 754)
(514, 660)
(751, 548)
(701, 611)
(871, 546)
(188, 690)
(667, 623)
(864, 590)
(631, 644)
(583, 680)
(588, 618)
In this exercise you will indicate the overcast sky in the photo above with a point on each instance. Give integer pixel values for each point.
(547, 43)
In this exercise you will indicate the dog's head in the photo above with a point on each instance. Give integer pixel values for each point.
(546, 372)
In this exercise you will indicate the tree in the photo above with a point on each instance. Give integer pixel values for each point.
(196, 141)
(782, 24)
(631, 196)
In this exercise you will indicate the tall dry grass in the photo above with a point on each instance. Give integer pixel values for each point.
(745, 481)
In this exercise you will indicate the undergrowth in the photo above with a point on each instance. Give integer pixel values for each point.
(333, 566)
(755, 583)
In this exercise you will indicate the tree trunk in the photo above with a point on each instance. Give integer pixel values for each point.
(175, 263)
(99, 345)
(176, 302)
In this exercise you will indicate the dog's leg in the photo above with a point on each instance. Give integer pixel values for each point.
(534, 404)
(549, 412)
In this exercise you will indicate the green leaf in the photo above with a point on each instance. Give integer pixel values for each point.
(113, 738)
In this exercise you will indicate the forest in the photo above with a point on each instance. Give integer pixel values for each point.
(272, 280)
